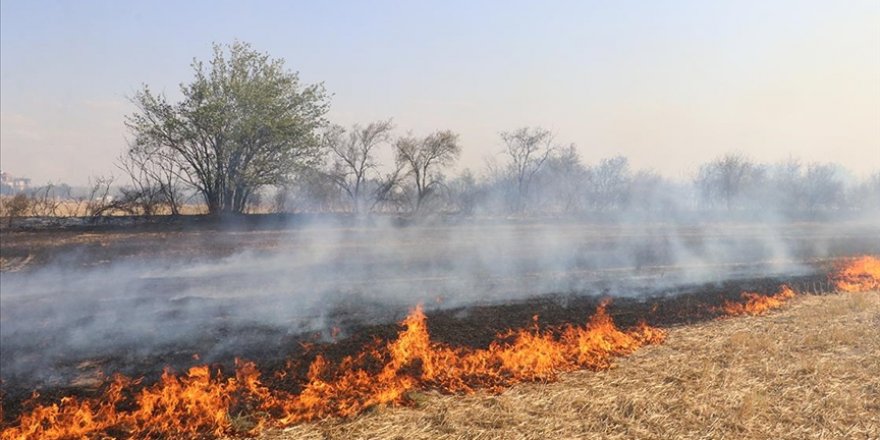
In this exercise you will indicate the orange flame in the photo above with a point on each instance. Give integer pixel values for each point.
(757, 304)
(858, 275)
(203, 403)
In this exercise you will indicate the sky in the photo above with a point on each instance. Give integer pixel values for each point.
(668, 84)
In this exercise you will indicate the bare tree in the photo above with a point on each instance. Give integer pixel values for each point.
(353, 163)
(561, 181)
(144, 195)
(463, 193)
(99, 201)
(15, 207)
(155, 180)
(45, 201)
(866, 196)
(823, 188)
(310, 191)
(385, 190)
(727, 179)
(423, 159)
(786, 189)
(528, 149)
(610, 183)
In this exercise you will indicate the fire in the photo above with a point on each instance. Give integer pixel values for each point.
(202, 403)
(858, 275)
(186, 406)
(757, 304)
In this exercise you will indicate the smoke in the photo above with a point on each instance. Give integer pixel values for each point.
(144, 311)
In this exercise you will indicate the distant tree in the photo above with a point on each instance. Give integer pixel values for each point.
(823, 188)
(244, 122)
(423, 159)
(727, 179)
(786, 186)
(561, 181)
(610, 181)
(872, 187)
(648, 191)
(464, 192)
(353, 165)
(45, 201)
(310, 191)
(867, 194)
(528, 149)
(15, 207)
(100, 201)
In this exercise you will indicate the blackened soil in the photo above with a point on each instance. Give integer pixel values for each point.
(274, 349)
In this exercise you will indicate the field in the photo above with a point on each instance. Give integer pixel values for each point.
(808, 371)
(81, 305)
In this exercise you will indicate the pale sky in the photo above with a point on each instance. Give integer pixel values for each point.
(670, 84)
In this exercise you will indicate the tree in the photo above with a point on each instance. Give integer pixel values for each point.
(423, 158)
(561, 181)
(463, 193)
(611, 183)
(45, 201)
(15, 207)
(866, 195)
(823, 189)
(244, 122)
(786, 189)
(528, 149)
(727, 179)
(155, 181)
(353, 165)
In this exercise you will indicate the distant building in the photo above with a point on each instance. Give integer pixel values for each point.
(13, 185)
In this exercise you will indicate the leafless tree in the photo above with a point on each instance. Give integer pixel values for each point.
(45, 201)
(100, 202)
(527, 149)
(385, 190)
(823, 188)
(353, 164)
(786, 190)
(866, 195)
(727, 179)
(561, 181)
(610, 182)
(464, 193)
(423, 159)
(155, 180)
(15, 207)
(310, 191)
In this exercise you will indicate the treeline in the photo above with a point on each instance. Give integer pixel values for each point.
(532, 177)
(248, 136)
(535, 177)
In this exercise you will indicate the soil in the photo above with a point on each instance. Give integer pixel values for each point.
(424, 257)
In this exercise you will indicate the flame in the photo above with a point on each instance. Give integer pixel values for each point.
(757, 304)
(858, 275)
(204, 403)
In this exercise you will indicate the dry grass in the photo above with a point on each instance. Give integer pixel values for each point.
(810, 371)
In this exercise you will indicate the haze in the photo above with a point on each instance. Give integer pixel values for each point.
(668, 84)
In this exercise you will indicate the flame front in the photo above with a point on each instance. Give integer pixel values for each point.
(757, 304)
(858, 275)
(202, 403)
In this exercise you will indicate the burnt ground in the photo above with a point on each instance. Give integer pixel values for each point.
(474, 326)
(668, 276)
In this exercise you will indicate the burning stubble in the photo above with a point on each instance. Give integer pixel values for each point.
(203, 402)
